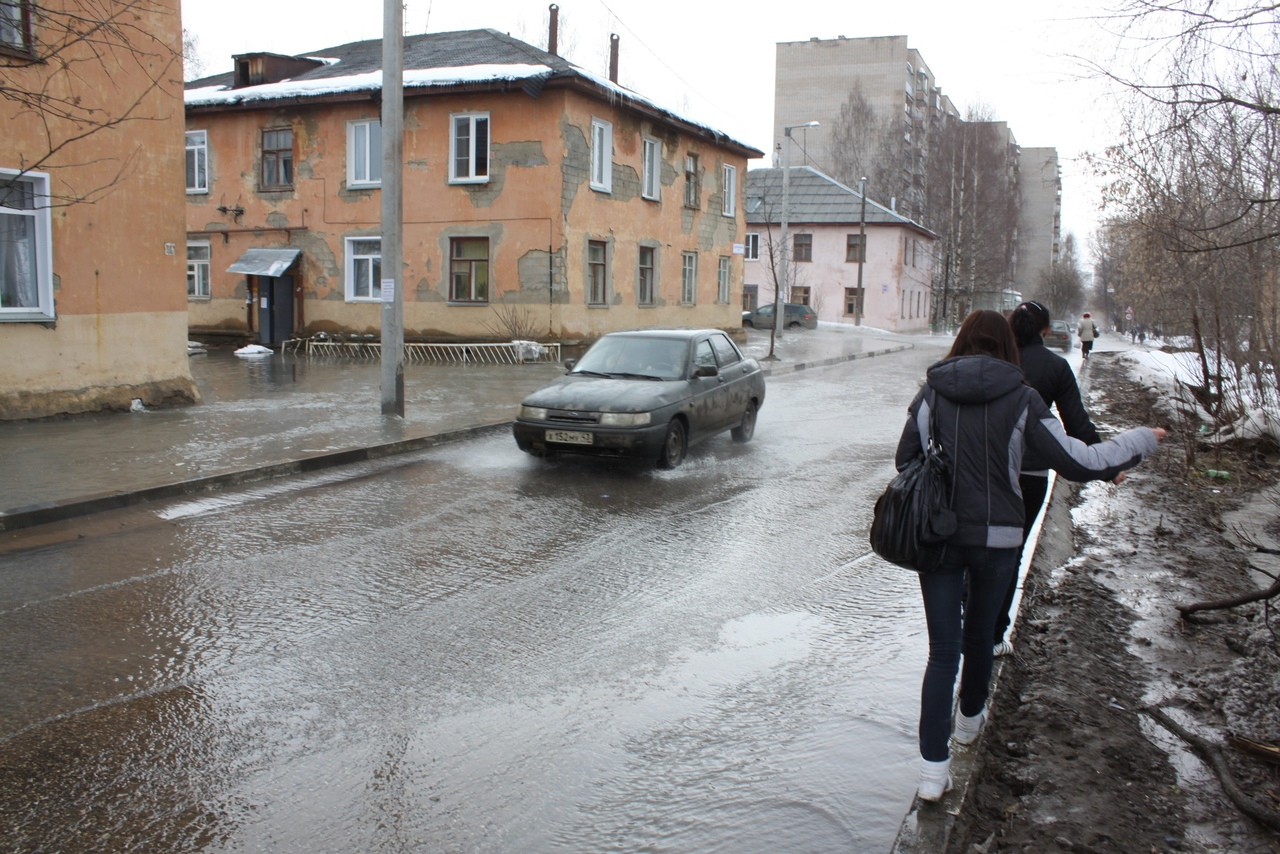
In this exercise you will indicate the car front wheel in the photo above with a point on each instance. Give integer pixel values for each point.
(673, 446)
(745, 430)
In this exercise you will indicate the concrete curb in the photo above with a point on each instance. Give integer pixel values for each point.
(56, 511)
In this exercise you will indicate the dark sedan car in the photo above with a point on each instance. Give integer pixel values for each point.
(648, 394)
(797, 316)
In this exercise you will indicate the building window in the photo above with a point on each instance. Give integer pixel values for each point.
(752, 247)
(597, 272)
(197, 161)
(802, 247)
(26, 248)
(277, 158)
(730, 201)
(645, 276)
(722, 281)
(469, 269)
(692, 192)
(15, 26)
(469, 148)
(364, 153)
(651, 169)
(364, 268)
(854, 248)
(198, 269)
(601, 156)
(800, 294)
(689, 278)
(853, 301)
(750, 297)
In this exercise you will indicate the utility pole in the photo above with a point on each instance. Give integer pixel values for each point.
(392, 207)
(779, 285)
(862, 250)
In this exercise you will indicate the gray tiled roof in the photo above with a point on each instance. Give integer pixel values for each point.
(814, 198)
(428, 50)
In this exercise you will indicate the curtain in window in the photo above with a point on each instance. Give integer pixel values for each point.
(18, 288)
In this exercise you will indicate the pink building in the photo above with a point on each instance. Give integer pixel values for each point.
(826, 253)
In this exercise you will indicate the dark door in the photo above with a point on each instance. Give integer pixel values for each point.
(275, 309)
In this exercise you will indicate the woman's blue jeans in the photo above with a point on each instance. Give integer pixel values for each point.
(956, 628)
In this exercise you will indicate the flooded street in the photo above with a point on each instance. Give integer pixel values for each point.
(470, 649)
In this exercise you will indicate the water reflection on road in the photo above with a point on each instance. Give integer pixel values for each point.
(469, 649)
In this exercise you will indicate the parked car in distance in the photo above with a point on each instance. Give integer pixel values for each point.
(647, 394)
(1059, 336)
(797, 316)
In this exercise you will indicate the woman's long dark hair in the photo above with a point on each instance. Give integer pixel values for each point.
(1028, 321)
(986, 333)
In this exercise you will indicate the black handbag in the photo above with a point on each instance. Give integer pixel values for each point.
(913, 518)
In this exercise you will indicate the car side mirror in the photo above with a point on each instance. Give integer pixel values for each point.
(706, 371)
(569, 363)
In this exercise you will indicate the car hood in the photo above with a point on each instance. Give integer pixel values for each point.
(599, 394)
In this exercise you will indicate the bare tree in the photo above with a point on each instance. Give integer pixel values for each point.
(192, 64)
(1061, 287)
(51, 85)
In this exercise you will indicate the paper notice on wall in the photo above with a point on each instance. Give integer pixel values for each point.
(388, 290)
(264, 302)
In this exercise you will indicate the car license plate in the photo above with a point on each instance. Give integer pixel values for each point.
(569, 437)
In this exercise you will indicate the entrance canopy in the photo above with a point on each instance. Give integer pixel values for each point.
(264, 262)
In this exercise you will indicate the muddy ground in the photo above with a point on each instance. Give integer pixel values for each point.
(1071, 762)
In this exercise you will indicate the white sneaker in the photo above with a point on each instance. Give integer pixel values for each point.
(1002, 648)
(968, 729)
(935, 780)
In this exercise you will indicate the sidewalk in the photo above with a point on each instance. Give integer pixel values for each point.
(278, 415)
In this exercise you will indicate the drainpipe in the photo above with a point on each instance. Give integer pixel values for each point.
(613, 57)
(552, 36)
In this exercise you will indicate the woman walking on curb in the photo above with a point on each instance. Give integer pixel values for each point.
(1051, 375)
(986, 416)
(1087, 332)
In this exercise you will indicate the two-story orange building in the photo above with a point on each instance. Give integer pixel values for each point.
(92, 313)
(533, 190)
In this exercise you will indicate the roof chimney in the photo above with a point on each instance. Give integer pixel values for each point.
(555, 28)
(613, 57)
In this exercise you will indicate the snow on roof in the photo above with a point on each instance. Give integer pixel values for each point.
(368, 81)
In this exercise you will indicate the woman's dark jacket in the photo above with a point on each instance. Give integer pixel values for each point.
(987, 417)
(1049, 374)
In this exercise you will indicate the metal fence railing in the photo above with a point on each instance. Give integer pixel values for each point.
(507, 353)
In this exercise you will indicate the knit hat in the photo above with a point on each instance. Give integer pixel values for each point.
(1086, 314)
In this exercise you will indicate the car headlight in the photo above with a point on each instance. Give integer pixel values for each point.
(624, 419)
(533, 413)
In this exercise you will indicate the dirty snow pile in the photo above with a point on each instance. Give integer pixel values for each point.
(1172, 376)
(254, 350)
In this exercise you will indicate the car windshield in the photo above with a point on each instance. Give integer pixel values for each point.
(638, 358)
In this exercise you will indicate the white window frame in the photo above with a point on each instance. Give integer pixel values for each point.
(198, 156)
(729, 185)
(375, 270)
(651, 170)
(601, 156)
(42, 249)
(652, 268)
(689, 278)
(201, 269)
(473, 176)
(751, 248)
(723, 272)
(360, 133)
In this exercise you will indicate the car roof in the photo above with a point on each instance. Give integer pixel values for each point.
(681, 334)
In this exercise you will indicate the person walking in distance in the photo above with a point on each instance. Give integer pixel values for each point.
(1051, 376)
(986, 416)
(1087, 332)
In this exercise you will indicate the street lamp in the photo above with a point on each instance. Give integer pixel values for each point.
(862, 251)
(779, 307)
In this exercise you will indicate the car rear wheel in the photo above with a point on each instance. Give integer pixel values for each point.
(745, 430)
(795, 324)
(673, 446)
(748, 324)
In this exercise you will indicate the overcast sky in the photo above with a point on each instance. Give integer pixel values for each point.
(715, 62)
